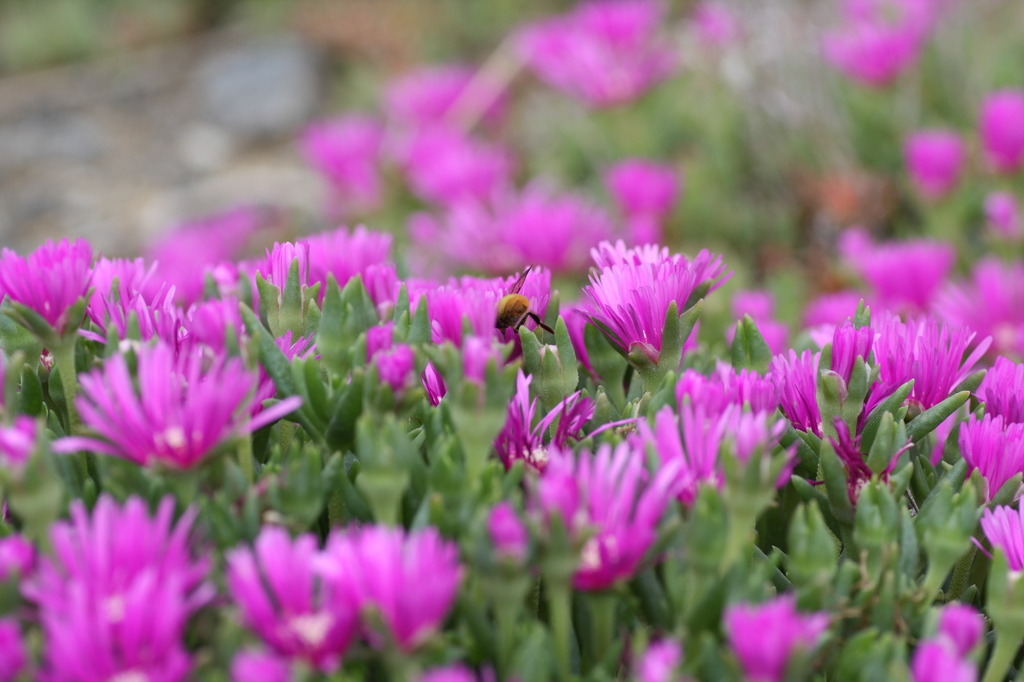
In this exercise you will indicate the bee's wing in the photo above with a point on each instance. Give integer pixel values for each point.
(518, 284)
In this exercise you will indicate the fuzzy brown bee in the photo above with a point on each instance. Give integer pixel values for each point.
(514, 308)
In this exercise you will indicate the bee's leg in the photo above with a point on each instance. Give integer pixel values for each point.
(540, 324)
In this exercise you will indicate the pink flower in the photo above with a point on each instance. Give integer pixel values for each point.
(1001, 125)
(259, 666)
(345, 254)
(346, 151)
(1003, 214)
(158, 317)
(395, 366)
(629, 301)
(994, 448)
(426, 95)
(611, 495)
(1002, 389)
(433, 384)
(180, 413)
(297, 612)
(796, 378)
(445, 166)
(643, 187)
(961, 626)
(764, 637)
(925, 350)
(660, 661)
(17, 441)
(904, 276)
(117, 594)
(716, 25)
(409, 580)
(1004, 528)
(848, 344)
(507, 531)
(17, 557)
(49, 280)
(935, 159)
(451, 673)
(831, 309)
(991, 304)
(726, 386)
(183, 255)
(604, 53)
(879, 39)
(13, 657)
(934, 662)
(514, 230)
(520, 439)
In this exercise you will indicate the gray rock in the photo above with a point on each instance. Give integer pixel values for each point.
(261, 90)
(52, 137)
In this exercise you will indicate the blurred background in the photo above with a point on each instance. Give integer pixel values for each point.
(121, 119)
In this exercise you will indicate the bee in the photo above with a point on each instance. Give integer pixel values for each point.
(514, 308)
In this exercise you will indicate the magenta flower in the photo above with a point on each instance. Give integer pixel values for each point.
(17, 557)
(994, 448)
(445, 166)
(832, 309)
(259, 666)
(179, 414)
(858, 473)
(346, 253)
(726, 386)
(13, 656)
(991, 303)
(433, 384)
(576, 324)
(426, 95)
(904, 276)
(531, 227)
(508, 532)
(933, 661)
(520, 439)
(935, 159)
(278, 261)
(451, 673)
(645, 192)
(660, 661)
(116, 595)
(1003, 214)
(603, 53)
(295, 611)
(477, 354)
(796, 378)
(157, 318)
(961, 626)
(183, 255)
(346, 151)
(765, 637)
(396, 366)
(130, 277)
(848, 344)
(449, 305)
(628, 301)
(209, 323)
(1001, 125)
(715, 24)
(879, 39)
(611, 495)
(408, 580)
(1004, 528)
(49, 280)
(925, 350)
(17, 441)
(1002, 389)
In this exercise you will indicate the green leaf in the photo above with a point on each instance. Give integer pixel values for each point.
(926, 422)
(749, 350)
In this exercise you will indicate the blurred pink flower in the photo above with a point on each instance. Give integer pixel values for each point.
(1003, 214)
(935, 159)
(962, 626)
(933, 661)
(716, 25)
(183, 408)
(296, 611)
(409, 580)
(451, 673)
(604, 52)
(508, 532)
(1001, 126)
(17, 441)
(347, 151)
(760, 305)
(611, 496)
(1002, 390)
(49, 280)
(116, 595)
(991, 303)
(764, 637)
(993, 447)
(1004, 528)
(13, 654)
(17, 557)
(433, 384)
(346, 253)
(396, 366)
(446, 166)
(831, 309)
(660, 662)
(878, 39)
(425, 95)
(645, 192)
(259, 666)
(532, 227)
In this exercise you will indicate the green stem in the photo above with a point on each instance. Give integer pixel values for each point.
(506, 613)
(1002, 657)
(64, 357)
(285, 433)
(602, 618)
(559, 608)
(246, 460)
(958, 583)
(336, 509)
